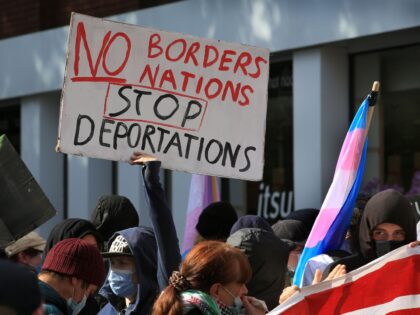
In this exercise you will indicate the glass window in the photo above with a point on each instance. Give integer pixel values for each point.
(393, 159)
(10, 124)
(273, 197)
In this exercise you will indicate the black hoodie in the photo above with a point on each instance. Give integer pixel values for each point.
(114, 213)
(268, 258)
(71, 228)
(388, 206)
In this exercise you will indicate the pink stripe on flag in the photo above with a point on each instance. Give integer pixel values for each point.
(203, 191)
(351, 150)
(190, 233)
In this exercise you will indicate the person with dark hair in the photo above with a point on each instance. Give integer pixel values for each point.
(72, 271)
(142, 259)
(73, 228)
(388, 222)
(268, 257)
(27, 251)
(114, 213)
(19, 291)
(211, 281)
(216, 220)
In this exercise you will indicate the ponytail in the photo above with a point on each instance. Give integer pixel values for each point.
(168, 303)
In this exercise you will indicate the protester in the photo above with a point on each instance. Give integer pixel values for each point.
(387, 223)
(19, 291)
(142, 259)
(27, 251)
(216, 220)
(211, 281)
(72, 271)
(73, 228)
(268, 258)
(131, 285)
(296, 228)
(113, 213)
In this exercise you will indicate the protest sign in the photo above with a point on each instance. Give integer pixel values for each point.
(24, 205)
(387, 285)
(198, 105)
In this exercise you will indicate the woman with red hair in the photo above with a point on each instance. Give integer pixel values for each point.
(211, 281)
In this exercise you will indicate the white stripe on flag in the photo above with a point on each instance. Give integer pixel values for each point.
(400, 303)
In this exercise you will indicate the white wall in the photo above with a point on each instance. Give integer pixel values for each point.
(320, 120)
(39, 124)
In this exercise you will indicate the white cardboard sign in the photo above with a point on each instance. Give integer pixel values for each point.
(198, 105)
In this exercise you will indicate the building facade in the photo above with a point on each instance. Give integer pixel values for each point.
(324, 59)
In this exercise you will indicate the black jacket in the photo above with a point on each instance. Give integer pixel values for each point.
(268, 257)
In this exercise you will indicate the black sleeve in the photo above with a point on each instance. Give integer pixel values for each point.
(169, 256)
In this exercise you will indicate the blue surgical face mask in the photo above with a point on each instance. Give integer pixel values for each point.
(75, 307)
(237, 307)
(121, 282)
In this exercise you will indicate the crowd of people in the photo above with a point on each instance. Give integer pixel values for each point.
(113, 265)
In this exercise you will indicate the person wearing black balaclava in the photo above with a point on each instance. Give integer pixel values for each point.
(114, 213)
(388, 222)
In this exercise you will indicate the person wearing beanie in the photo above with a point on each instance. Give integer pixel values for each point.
(388, 222)
(113, 213)
(27, 251)
(73, 228)
(216, 221)
(72, 271)
(19, 291)
(141, 258)
(83, 229)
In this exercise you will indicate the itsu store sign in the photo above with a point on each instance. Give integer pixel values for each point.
(198, 105)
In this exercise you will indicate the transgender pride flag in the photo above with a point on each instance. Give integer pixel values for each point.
(204, 190)
(333, 220)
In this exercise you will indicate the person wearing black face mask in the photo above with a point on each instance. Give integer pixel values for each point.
(387, 223)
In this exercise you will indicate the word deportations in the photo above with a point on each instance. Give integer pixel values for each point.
(112, 134)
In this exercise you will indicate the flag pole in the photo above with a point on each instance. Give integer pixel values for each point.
(373, 97)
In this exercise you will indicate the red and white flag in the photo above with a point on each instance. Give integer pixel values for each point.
(387, 285)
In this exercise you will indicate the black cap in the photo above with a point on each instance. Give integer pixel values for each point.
(119, 247)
